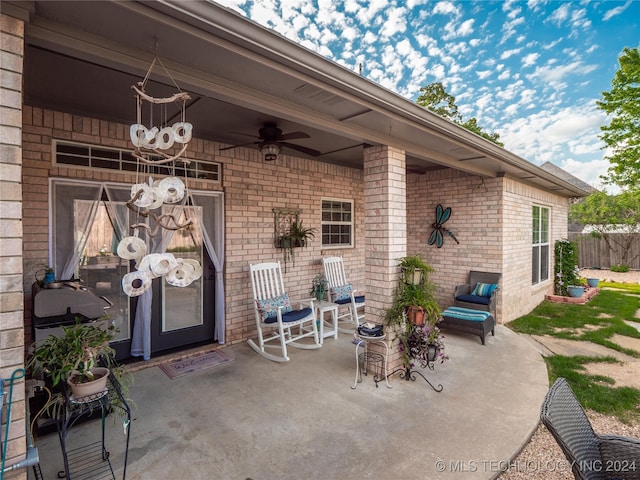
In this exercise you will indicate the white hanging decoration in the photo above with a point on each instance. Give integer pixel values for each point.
(157, 145)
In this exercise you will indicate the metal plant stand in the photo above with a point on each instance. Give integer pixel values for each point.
(92, 460)
(410, 374)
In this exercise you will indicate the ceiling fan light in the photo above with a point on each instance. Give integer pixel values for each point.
(270, 151)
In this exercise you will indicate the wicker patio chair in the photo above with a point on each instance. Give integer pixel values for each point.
(592, 456)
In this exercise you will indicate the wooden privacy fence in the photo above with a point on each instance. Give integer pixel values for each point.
(594, 252)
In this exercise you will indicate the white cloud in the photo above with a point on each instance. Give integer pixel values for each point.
(609, 14)
(560, 15)
(530, 59)
(446, 8)
(395, 23)
(509, 53)
(554, 75)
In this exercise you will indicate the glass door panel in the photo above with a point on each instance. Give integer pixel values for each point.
(100, 268)
(183, 306)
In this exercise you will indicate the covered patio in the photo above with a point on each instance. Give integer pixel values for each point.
(302, 419)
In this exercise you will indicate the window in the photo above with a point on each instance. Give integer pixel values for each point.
(540, 243)
(106, 158)
(337, 223)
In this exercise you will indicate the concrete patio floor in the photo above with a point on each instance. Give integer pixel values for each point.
(256, 419)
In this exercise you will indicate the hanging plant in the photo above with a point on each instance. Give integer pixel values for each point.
(296, 236)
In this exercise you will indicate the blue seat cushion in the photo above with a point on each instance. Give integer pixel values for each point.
(466, 314)
(474, 299)
(292, 316)
(344, 301)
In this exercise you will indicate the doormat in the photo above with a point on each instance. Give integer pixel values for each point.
(185, 366)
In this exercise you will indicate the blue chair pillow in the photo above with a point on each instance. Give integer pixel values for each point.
(341, 293)
(268, 307)
(484, 289)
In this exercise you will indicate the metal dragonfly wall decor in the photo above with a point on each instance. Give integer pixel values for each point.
(437, 237)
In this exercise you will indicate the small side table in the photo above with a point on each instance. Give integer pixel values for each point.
(322, 307)
(372, 357)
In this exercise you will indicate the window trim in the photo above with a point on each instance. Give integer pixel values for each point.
(539, 244)
(351, 224)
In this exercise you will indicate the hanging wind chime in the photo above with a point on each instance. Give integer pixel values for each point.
(157, 145)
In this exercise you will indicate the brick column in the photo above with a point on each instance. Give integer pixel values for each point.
(11, 295)
(385, 231)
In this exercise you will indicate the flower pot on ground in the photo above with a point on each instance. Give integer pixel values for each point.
(593, 282)
(575, 291)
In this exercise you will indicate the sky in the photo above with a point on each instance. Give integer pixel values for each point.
(528, 70)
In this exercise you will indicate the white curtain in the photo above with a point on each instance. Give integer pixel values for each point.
(211, 222)
(72, 225)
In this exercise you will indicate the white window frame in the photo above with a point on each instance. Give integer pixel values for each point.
(351, 243)
(540, 244)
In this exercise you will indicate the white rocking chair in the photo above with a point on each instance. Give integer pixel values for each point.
(342, 293)
(275, 317)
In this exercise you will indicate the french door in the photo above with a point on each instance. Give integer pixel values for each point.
(89, 221)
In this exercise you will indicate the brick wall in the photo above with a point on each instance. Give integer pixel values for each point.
(492, 219)
(476, 221)
(11, 232)
(520, 298)
(386, 232)
(252, 189)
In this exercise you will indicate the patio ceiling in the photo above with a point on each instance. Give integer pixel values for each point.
(83, 57)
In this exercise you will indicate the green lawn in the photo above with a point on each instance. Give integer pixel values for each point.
(596, 321)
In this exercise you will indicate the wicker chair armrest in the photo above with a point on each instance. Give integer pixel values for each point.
(464, 289)
(620, 457)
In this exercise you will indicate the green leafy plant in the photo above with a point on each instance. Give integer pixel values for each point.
(319, 287)
(297, 236)
(620, 268)
(421, 297)
(566, 271)
(414, 269)
(80, 348)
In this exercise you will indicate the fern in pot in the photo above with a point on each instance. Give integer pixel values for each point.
(74, 357)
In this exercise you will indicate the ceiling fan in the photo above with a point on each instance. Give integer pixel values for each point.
(271, 140)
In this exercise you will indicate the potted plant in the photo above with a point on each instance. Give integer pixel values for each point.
(577, 289)
(319, 287)
(422, 344)
(414, 269)
(74, 357)
(296, 236)
(593, 282)
(414, 314)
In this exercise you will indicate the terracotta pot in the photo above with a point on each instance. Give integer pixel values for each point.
(93, 387)
(416, 315)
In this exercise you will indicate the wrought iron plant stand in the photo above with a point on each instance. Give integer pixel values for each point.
(409, 373)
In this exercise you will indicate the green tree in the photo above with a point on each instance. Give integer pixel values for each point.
(614, 218)
(622, 135)
(435, 98)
